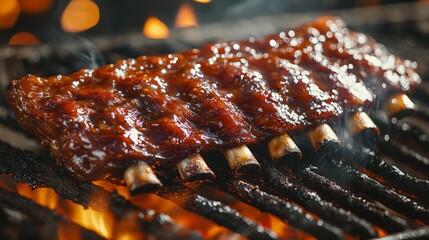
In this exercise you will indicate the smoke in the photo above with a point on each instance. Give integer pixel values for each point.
(89, 56)
(74, 52)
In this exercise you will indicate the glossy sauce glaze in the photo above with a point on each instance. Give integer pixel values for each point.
(165, 108)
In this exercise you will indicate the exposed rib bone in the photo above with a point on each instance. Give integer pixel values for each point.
(241, 160)
(360, 123)
(194, 168)
(140, 178)
(324, 139)
(399, 106)
(283, 148)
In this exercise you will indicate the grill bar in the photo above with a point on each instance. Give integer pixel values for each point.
(422, 92)
(213, 210)
(27, 168)
(403, 130)
(345, 175)
(368, 160)
(290, 213)
(421, 233)
(311, 201)
(40, 215)
(405, 154)
(355, 203)
(251, 194)
(422, 113)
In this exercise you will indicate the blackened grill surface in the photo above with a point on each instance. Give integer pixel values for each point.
(165, 108)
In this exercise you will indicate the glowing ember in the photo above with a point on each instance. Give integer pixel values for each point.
(44, 196)
(80, 15)
(99, 222)
(186, 17)
(203, 1)
(105, 224)
(155, 29)
(207, 228)
(129, 236)
(23, 38)
(35, 6)
(68, 231)
(9, 12)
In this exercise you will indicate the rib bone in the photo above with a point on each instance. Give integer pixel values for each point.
(399, 106)
(241, 160)
(323, 139)
(283, 148)
(140, 178)
(194, 168)
(360, 122)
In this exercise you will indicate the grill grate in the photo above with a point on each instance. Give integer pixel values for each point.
(354, 194)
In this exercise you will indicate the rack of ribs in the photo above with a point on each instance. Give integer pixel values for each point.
(162, 109)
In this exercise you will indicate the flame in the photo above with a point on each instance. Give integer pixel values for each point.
(186, 17)
(129, 236)
(80, 15)
(105, 224)
(99, 222)
(380, 232)
(35, 6)
(44, 196)
(23, 38)
(9, 12)
(155, 28)
(68, 231)
(203, 1)
(271, 222)
(207, 228)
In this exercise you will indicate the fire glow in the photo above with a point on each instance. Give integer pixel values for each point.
(35, 7)
(186, 17)
(155, 29)
(101, 223)
(24, 38)
(203, 1)
(80, 15)
(9, 12)
(105, 224)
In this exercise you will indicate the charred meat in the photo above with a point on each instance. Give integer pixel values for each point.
(155, 109)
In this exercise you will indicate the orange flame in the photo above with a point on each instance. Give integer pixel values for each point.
(99, 222)
(80, 15)
(186, 17)
(35, 6)
(68, 231)
(44, 196)
(104, 224)
(155, 29)
(9, 12)
(208, 229)
(203, 1)
(23, 38)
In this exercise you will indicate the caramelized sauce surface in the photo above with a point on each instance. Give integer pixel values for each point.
(165, 108)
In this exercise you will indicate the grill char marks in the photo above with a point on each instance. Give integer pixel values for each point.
(167, 108)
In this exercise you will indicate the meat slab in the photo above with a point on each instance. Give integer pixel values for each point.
(160, 109)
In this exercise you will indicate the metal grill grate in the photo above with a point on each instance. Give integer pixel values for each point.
(356, 192)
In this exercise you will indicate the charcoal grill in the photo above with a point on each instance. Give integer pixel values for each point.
(366, 190)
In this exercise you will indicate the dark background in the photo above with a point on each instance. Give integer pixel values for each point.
(117, 17)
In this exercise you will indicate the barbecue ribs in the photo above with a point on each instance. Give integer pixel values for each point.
(165, 108)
